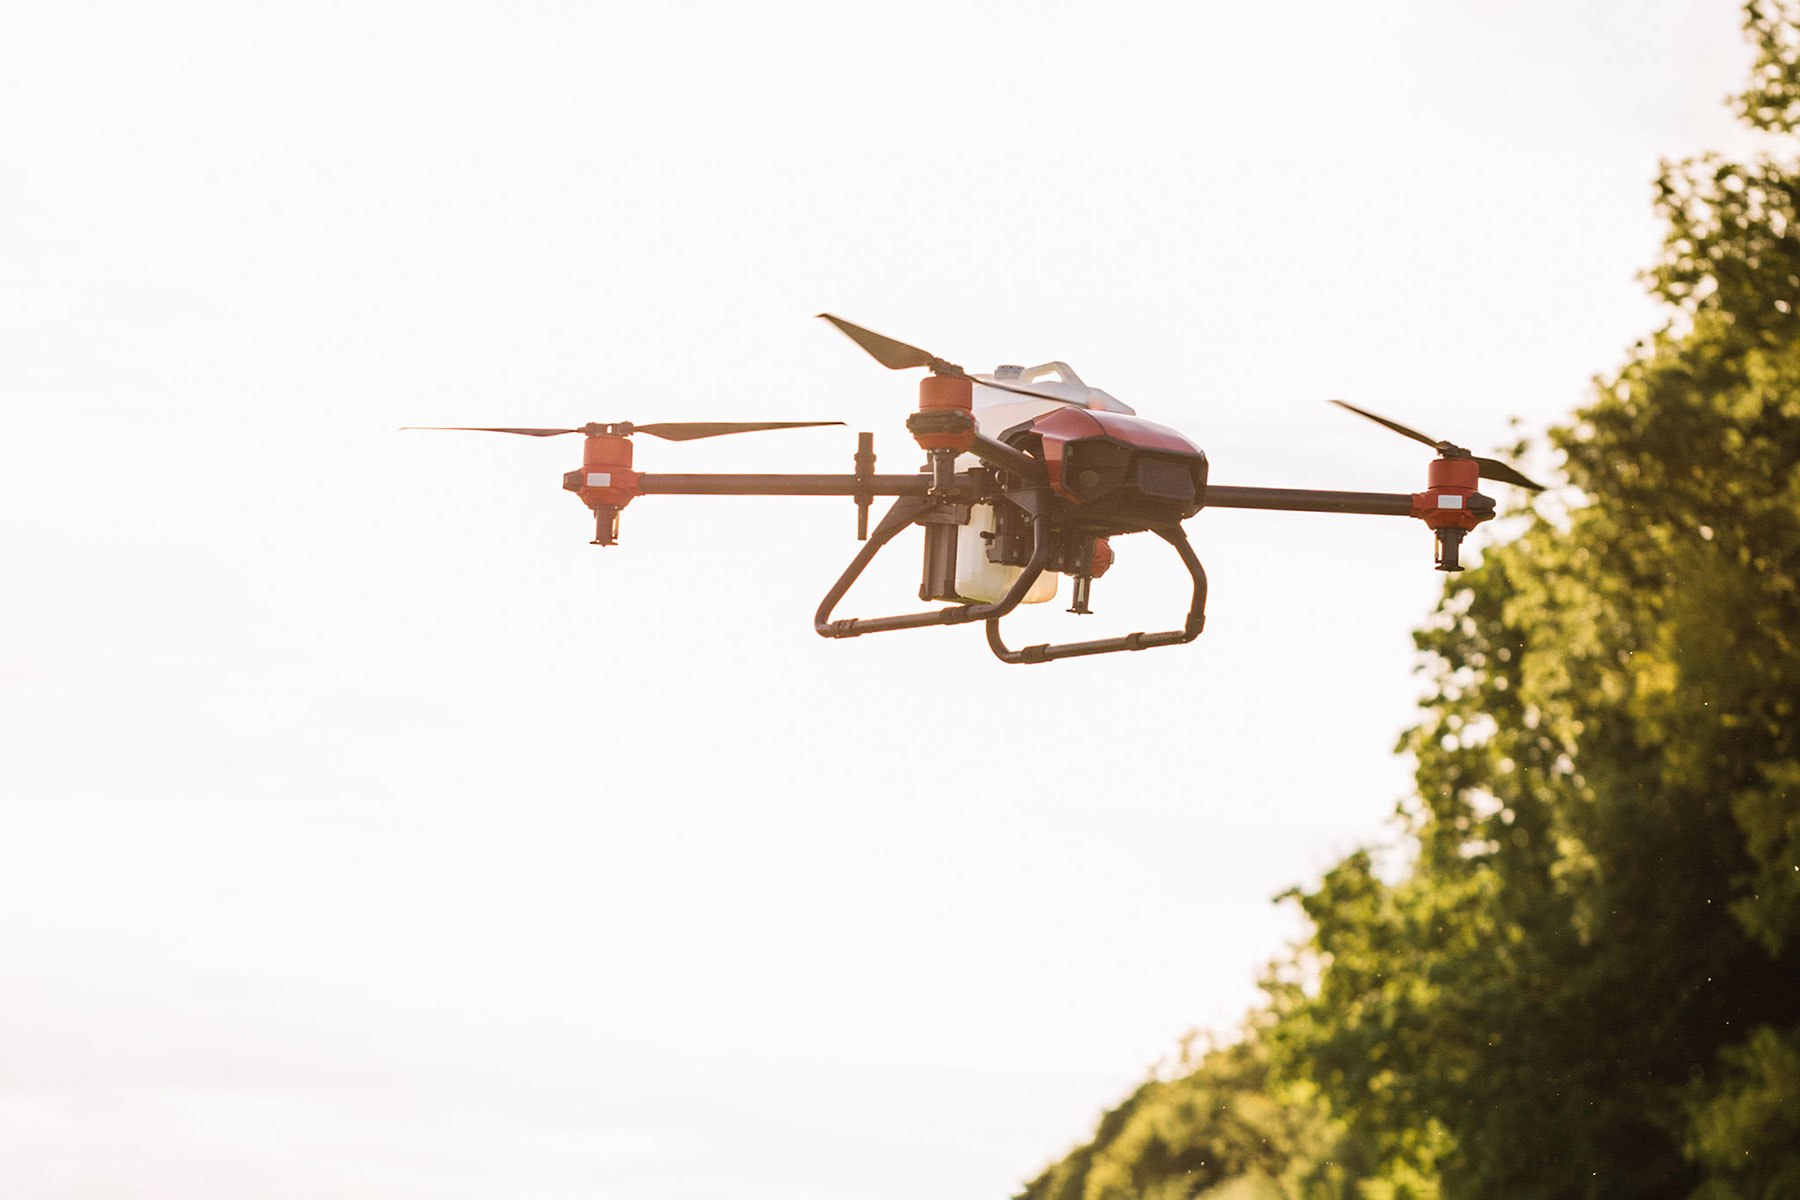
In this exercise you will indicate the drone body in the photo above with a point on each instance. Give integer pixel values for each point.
(1027, 477)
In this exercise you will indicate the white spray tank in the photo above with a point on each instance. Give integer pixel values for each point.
(995, 412)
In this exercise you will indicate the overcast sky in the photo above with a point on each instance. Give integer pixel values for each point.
(369, 834)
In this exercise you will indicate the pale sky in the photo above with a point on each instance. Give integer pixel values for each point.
(369, 834)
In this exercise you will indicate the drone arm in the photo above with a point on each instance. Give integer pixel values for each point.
(1003, 457)
(783, 485)
(1377, 504)
(1450, 507)
(1196, 620)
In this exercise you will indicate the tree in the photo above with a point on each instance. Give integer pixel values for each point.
(1222, 1130)
(1585, 980)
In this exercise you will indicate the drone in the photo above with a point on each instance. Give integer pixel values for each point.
(1029, 474)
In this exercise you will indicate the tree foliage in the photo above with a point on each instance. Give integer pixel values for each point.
(1586, 980)
(1224, 1130)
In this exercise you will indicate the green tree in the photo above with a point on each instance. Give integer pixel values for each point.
(1589, 983)
(1223, 1130)
(1583, 979)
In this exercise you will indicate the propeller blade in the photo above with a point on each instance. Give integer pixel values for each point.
(674, 431)
(1493, 468)
(898, 356)
(1017, 391)
(494, 429)
(1414, 434)
(687, 431)
(895, 356)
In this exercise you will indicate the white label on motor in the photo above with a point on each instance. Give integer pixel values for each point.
(604, 479)
(1443, 501)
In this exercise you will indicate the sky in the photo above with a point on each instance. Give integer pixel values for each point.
(367, 833)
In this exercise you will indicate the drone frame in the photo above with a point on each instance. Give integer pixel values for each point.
(1450, 506)
(1157, 480)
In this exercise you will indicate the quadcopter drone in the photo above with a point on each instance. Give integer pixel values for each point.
(1029, 473)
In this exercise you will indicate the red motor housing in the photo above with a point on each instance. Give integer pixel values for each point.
(606, 479)
(606, 483)
(1445, 502)
(943, 421)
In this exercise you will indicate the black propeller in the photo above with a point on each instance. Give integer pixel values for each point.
(1491, 468)
(674, 431)
(898, 356)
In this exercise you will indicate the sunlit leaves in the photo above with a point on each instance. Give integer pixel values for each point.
(1606, 896)
(1583, 979)
(1772, 101)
